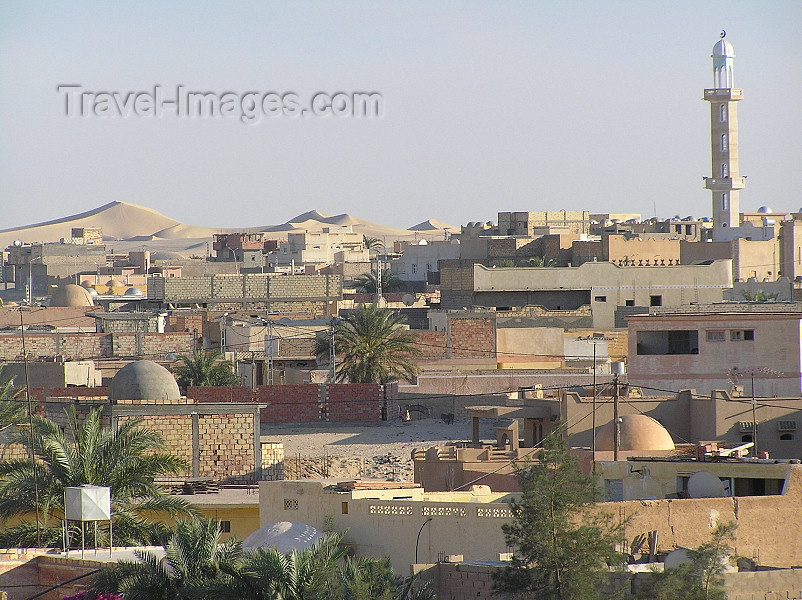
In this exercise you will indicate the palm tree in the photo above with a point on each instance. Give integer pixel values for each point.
(372, 347)
(372, 243)
(367, 282)
(539, 261)
(12, 408)
(126, 460)
(195, 563)
(205, 369)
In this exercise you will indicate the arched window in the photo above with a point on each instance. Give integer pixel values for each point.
(786, 436)
(723, 169)
(725, 204)
(723, 142)
(746, 438)
(723, 113)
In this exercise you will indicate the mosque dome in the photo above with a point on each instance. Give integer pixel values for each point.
(638, 432)
(134, 292)
(71, 295)
(114, 283)
(764, 210)
(144, 380)
(723, 48)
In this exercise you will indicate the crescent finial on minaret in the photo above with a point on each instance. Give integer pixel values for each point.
(723, 34)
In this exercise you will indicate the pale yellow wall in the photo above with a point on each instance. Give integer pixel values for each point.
(518, 344)
(657, 252)
(386, 527)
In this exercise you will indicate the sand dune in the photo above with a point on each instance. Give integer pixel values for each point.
(129, 227)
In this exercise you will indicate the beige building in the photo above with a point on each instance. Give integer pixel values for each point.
(750, 258)
(333, 244)
(603, 286)
(386, 522)
(526, 223)
(718, 347)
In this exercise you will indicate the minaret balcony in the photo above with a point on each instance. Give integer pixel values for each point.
(723, 94)
(724, 184)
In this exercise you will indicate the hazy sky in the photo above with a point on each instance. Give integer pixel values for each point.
(488, 106)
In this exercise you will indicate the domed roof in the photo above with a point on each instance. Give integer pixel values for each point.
(143, 380)
(71, 295)
(764, 210)
(638, 432)
(285, 536)
(133, 292)
(114, 283)
(723, 48)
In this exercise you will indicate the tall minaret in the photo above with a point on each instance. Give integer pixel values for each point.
(725, 182)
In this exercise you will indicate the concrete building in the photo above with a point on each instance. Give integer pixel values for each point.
(384, 519)
(719, 346)
(609, 290)
(43, 265)
(528, 223)
(333, 244)
(418, 261)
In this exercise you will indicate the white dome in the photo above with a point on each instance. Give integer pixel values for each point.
(764, 210)
(723, 48)
(285, 536)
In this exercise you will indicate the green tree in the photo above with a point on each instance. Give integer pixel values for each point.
(371, 346)
(367, 282)
(127, 460)
(205, 368)
(538, 261)
(562, 551)
(12, 406)
(758, 296)
(372, 243)
(195, 563)
(701, 578)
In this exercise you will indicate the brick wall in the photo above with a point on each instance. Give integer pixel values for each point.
(302, 403)
(78, 346)
(466, 338)
(176, 430)
(226, 446)
(460, 581)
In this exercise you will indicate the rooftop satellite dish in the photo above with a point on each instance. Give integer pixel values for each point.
(408, 299)
(705, 485)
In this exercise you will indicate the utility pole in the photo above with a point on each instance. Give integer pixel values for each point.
(595, 340)
(270, 349)
(378, 282)
(754, 415)
(618, 368)
(332, 353)
(30, 428)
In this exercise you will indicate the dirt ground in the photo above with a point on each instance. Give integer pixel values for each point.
(380, 450)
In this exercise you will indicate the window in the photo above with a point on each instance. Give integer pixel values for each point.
(723, 113)
(723, 142)
(740, 335)
(723, 169)
(786, 425)
(786, 437)
(725, 205)
(414, 268)
(600, 298)
(225, 526)
(345, 508)
(656, 343)
(749, 335)
(629, 303)
(655, 301)
(290, 504)
(716, 336)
